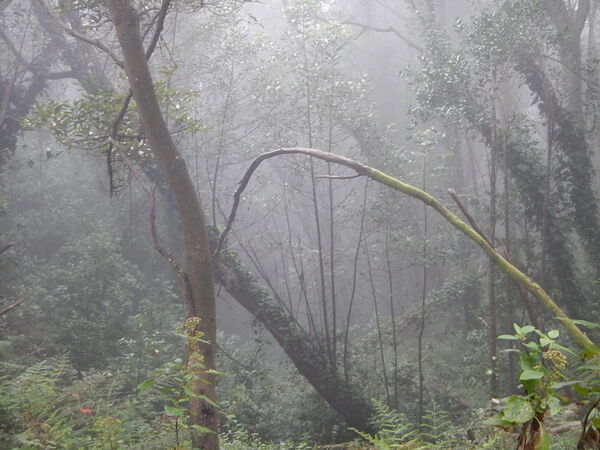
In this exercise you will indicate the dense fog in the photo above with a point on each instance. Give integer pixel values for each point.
(299, 224)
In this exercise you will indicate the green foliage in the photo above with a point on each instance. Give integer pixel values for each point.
(542, 363)
(82, 301)
(393, 428)
(436, 427)
(176, 381)
(272, 400)
(47, 406)
(51, 410)
(87, 122)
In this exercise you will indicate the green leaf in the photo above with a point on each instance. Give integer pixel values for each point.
(585, 323)
(499, 421)
(207, 400)
(525, 361)
(564, 384)
(562, 348)
(530, 385)
(517, 329)
(174, 412)
(553, 405)
(201, 429)
(518, 410)
(509, 337)
(588, 353)
(553, 334)
(581, 390)
(532, 346)
(146, 384)
(527, 329)
(531, 374)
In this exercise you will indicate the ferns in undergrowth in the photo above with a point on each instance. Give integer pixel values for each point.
(395, 430)
(436, 427)
(45, 406)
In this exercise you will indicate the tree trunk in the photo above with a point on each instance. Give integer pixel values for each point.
(313, 364)
(199, 289)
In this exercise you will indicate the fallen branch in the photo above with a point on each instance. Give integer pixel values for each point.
(362, 170)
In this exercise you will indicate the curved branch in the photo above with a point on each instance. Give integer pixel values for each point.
(362, 170)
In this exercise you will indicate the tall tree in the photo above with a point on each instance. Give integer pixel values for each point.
(196, 274)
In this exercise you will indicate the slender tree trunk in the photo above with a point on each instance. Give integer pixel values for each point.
(332, 226)
(492, 236)
(388, 263)
(510, 304)
(198, 280)
(378, 324)
(423, 298)
(354, 283)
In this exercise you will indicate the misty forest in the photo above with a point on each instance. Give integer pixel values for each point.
(299, 224)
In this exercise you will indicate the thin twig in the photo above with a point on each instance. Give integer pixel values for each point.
(6, 247)
(468, 216)
(10, 307)
(183, 277)
(475, 226)
(389, 29)
(337, 177)
(95, 42)
(235, 360)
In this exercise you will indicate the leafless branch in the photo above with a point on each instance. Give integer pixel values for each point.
(10, 307)
(5, 102)
(13, 49)
(360, 169)
(7, 246)
(476, 227)
(183, 278)
(389, 29)
(468, 216)
(337, 177)
(95, 42)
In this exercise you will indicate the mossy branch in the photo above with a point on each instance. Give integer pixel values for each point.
(362, 170)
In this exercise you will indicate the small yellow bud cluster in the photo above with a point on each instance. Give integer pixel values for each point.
(557, 360)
